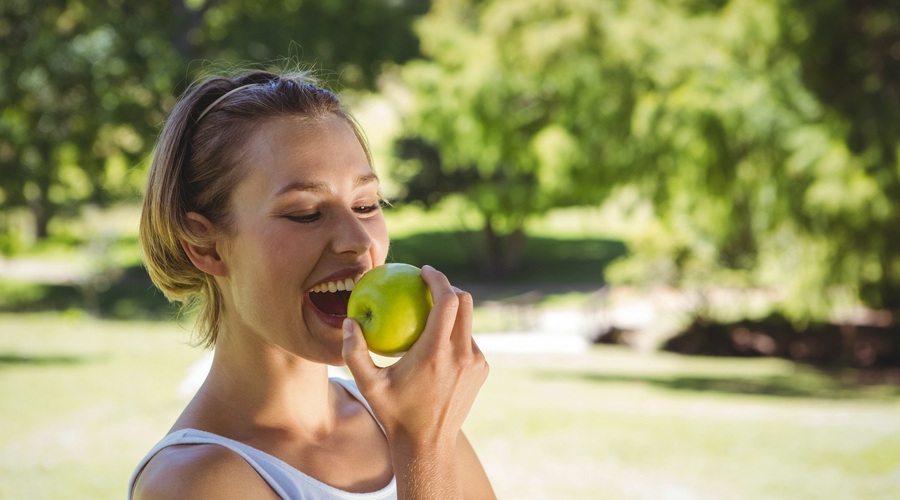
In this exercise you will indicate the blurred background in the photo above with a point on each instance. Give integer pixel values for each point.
(679, 220)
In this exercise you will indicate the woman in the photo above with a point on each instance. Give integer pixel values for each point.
(261, 189)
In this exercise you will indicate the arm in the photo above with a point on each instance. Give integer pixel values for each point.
(423, 399)
(430, 472)
(475, 482)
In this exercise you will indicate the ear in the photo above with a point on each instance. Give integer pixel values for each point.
(202, 249)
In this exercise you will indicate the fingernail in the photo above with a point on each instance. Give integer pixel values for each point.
(426, 266)
(348, 328)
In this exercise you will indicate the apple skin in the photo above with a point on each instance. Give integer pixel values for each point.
(391, 303)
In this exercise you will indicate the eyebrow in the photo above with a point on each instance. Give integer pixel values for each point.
(321, 187)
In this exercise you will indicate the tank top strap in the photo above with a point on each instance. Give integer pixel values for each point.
(194, 436)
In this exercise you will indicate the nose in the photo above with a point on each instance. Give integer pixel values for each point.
(350, 235)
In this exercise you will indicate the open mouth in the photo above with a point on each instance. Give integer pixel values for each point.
(331, 297)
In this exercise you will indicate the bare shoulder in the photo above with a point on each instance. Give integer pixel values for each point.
(476, 484)
(199, 471)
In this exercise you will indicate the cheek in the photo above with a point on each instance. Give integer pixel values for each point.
(261, 256)
(378, 235)
(268, 274)
(282, 254)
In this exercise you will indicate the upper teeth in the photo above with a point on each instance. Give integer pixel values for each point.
(335, 286)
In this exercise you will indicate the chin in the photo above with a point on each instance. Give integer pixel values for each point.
(326, 347)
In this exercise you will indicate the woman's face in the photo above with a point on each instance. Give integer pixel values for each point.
(306, 216)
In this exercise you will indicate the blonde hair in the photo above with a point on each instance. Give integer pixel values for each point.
(198, 161)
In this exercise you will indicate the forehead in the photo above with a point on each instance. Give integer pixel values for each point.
(299, 135)
(297, 150)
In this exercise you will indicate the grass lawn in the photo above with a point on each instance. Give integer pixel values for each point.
(81, 400)
(613, 424)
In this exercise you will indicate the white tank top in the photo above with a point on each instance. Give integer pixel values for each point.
(286, 481)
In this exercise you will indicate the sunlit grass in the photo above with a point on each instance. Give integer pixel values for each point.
(82, 400)
(610, 424)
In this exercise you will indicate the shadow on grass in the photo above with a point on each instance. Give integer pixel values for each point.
(815, 385)
(41, 360)
(547, 264)
(130, 295)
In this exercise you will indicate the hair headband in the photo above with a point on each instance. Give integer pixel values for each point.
(222, 98)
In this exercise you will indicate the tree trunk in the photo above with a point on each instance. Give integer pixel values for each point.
(492, 248)
(189, 19)
(39, 199)
(502, 253)
(513, 249)
(41, 214)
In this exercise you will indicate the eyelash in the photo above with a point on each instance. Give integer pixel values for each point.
(305, 219)
(309, 219)
(367, 209)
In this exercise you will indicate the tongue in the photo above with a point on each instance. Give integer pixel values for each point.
(333, 304)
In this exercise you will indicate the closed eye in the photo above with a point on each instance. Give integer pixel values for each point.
(305, 219)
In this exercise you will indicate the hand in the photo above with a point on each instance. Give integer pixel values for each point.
(423, 399)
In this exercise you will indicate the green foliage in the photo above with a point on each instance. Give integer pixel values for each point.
(82, 95)
(713, 119)
(851, 63)
(772, 164)
(764, 133)
(520, 103)
(86, 83)
(354, 38)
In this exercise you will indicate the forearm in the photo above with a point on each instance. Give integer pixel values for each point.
(426, 471)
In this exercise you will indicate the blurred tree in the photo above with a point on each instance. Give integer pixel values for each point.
(355, 38)
(764, 133)
(518, 108)
(849, 56)
(719, 97)
(772, 132)
(82, 92)
(86, 83)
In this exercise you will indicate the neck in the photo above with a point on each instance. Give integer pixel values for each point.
(255, 385)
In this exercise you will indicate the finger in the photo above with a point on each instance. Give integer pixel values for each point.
(446, 304)
(356, 353)
(462, 327)
(480, 360)
(475, 349)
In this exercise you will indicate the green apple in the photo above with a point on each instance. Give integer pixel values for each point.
(391, 303)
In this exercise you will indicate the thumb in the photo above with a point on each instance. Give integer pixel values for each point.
(355, 352)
